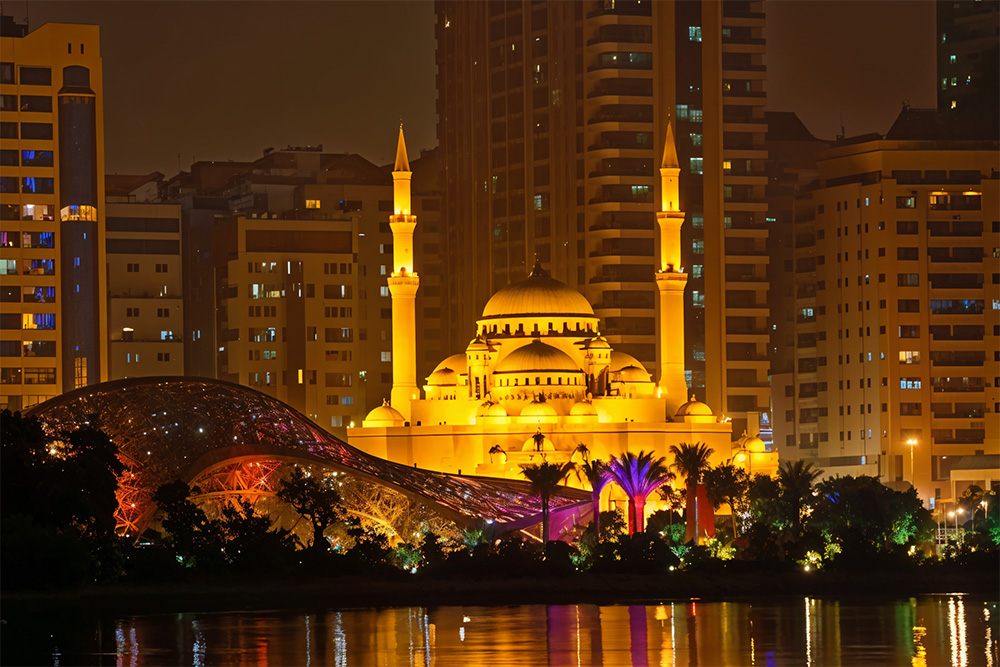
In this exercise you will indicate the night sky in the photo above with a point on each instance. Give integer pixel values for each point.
(225, 80)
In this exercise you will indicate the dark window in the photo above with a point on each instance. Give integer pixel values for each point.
(40, 103)
(8, 158)
(8, 184)
(8, 102)
(8, 130)
(36, 76)
(36, 130)
(6, 72)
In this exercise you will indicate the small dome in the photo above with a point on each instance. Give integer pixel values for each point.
(754, 444)
(538, 409)
(489, 409)
(583, 408)
(477, 344)
(633, 374)
(598, 343)
(384, 415)
(537, 356)
(538, 294)
(455, 362)
(694, 408)
(443, 377)
(620, 360)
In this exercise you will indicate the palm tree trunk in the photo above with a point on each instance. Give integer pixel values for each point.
(595, 497)
(631, 516)
(545, 521)
(640, 513)
(692, 513)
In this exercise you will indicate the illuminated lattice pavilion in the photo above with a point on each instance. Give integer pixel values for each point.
(186, 428)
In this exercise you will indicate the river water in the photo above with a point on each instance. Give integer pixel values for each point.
(927, 630)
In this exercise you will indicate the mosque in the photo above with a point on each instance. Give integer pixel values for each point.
(537, 380)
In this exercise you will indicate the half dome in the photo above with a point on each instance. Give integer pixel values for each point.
(620, 360)
(583, 408)
(537, 356)
(383, 416)
(443, 377)
(633, 374)
(694, 408)
(538, 409)
(537, 295)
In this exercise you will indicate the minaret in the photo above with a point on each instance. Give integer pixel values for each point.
(403, 284)
(670, 282)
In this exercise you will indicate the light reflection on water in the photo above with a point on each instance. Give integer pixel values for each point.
(930, 630)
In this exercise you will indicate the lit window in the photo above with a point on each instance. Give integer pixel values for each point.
(695, 139)
(727, 165)
(312, 203)
(697, 299)
(954, 104)
(698, 247)
(952, 59)
(697, 165)
(954, 80)
(383, 290)
(697, 270)
(909, 357)
(694, 33)
(387, 356)
(696, 115)
(682, 112)
(697, 221)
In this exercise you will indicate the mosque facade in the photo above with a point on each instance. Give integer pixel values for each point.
(537, 380)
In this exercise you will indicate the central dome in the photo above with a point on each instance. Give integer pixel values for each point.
(537, 356)
(537, 295)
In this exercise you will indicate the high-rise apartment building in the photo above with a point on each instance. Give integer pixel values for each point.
(341, 328)
(968, 65)
(53, 315)
(145, 280)
(551, 118)
(897, 311)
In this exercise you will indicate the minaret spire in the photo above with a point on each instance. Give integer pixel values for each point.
(670, 282)
(403, 285)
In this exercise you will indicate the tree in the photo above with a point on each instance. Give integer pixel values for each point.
(728, 484)
(64, 487)
(795, 478)
(545, 478)
(639, 475)
(497, 449)
(315, 498)
(539, 439)
(597, 474)
(197, 541)
(691, 461)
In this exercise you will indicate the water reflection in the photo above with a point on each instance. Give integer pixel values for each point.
(931, 630)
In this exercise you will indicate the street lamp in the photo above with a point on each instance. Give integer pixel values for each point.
(912, 442)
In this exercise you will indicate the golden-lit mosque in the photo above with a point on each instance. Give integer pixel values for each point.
(537, 380)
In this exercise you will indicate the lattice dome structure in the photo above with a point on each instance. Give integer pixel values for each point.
(184, 428)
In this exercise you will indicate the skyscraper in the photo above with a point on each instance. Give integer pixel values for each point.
(551, 120)
(54, 316)
(968, 54)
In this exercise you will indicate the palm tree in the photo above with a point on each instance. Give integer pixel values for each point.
(691, 461)
(497, 449)
(545, 478)
(639, 475)
(596, 472)
(796, 479)
(539, 439)
(728, 484)
(583, 451)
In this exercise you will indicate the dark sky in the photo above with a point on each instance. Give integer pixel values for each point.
(224, 80)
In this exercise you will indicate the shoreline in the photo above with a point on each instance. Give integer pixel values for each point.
(352, 592)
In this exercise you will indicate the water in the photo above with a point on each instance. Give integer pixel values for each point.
(928, 630)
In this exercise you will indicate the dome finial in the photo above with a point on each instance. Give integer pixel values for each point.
(537, 271)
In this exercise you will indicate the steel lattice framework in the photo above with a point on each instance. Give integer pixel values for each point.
(182, 428)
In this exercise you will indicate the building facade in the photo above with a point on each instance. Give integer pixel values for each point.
(896, 311)
(145, 289)
(52, 256)
(551, 120)
(968, 53)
